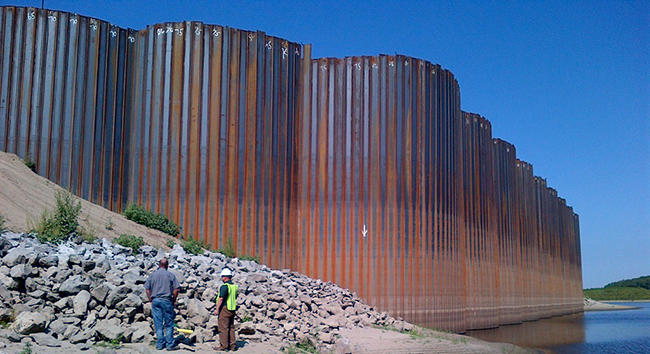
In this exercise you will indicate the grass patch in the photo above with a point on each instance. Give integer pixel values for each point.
(171, 243)
(111, 343)
(27, 349)
(150, 219)
(246, 317)
(130, 241)
(88, 234)
(247, 257)
(59, 224)
(228, 249)
(29, 163)
(109, 224)
(190, 245)
(306, 346)
(2, 223)
(415, 333)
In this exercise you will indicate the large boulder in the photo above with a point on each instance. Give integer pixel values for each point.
(109, 330)
(20, 271)
(195, 308)
(75, 284)
(29, 322)
(16, 256)
(117, 295)
(45, 340)
(80, 303)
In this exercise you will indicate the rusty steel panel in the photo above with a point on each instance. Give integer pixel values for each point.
(61, 95)
(363, 171)
(214, 133)
(380, 193)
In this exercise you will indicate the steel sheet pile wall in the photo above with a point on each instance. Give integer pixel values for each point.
(62, 96)
(482, 253)
(380, 152)
(363, 171)
(213, 133)
(523, 253)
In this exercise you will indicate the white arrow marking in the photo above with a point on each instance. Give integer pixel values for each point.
(364, 231)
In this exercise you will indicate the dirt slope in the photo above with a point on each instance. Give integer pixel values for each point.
(24, 195)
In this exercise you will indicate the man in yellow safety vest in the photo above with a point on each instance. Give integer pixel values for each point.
(226, 309)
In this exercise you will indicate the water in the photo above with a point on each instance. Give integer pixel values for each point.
(594, 332)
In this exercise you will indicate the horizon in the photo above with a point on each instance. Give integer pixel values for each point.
(522, 90)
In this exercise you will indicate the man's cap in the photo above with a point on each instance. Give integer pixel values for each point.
(226, 272)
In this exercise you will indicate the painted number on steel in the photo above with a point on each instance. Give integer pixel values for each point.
(31, 15)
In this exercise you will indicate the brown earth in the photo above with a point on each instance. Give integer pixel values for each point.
(24, 195)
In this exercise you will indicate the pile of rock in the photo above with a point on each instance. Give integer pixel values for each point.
(83, 292)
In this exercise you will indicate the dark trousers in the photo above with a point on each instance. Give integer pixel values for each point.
(226, 328)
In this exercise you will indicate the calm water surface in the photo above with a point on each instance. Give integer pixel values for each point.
(595, 332)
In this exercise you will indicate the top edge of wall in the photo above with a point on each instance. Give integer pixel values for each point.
(49, 12)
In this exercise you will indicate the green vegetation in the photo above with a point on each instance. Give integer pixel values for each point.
(150, 219)
(29, 163)
(628, 289)
(640, 282)
(247, 257)
(306, 346)
(2, 223)
(88, 234)
(246, 317)
(190, 245)
(58, 224)
(112, 343)
(171, 243)
(27, 349)
(622, 293)
(228, 249)
(130, 241)
(109, 224)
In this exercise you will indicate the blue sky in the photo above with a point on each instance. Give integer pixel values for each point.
(567, 82)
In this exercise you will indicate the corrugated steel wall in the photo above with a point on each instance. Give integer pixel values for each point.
(380, 153)
(62, 96)
(213, 133)
(363, 171)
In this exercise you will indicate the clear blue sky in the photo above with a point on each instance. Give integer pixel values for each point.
(567, 82)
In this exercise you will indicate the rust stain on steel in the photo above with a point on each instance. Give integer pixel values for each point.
(363, 171)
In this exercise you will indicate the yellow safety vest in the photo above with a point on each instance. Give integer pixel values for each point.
(231, 300)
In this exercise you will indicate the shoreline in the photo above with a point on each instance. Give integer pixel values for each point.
(593, 305)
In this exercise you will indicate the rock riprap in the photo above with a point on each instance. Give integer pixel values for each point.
(87, 292)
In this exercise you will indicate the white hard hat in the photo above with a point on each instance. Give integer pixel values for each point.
(226, 272)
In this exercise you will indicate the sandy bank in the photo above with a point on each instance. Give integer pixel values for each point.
(592, 305)
(24, 195)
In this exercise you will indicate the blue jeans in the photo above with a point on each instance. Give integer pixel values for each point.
(163, 320)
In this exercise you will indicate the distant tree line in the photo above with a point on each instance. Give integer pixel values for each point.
(628, 289)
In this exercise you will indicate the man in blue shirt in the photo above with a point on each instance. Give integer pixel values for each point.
(162, 290)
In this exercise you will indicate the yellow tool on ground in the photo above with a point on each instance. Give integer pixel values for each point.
(185, 331)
